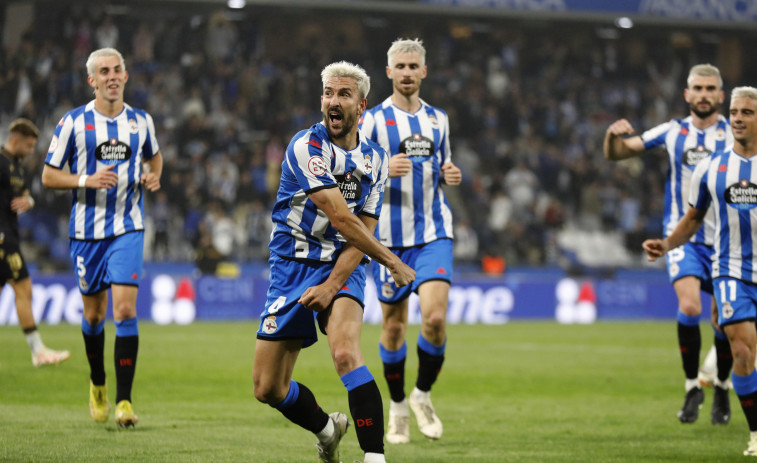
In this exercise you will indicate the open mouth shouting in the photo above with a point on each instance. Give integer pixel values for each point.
(335, 116)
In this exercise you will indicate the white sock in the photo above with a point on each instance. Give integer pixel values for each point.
(325, 434)
(399, 408)
(691, 384)
(34, 341)
(374, 458)
(722, 384)
(419, 395)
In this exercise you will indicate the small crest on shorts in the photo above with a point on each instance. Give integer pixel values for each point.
(387, 291)
(270, 325)
(727, 310)
(83, 284)
(674, 269)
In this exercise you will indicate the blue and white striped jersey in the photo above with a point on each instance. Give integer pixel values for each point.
(727, 184)
(88, 142)
(312, 163)
(686, 146)
(416, 211)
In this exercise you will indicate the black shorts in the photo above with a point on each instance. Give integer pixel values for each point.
(12, 264)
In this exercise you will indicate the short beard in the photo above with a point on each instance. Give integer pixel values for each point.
(703, 114)
(347, 126)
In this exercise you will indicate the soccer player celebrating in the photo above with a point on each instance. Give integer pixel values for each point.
(328, 202)
(104, 144)
(416, 223)
(14, 200)
(727, 184)
(688, 141)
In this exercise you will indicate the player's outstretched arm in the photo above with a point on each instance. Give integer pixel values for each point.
(618, 144)
(686, 228)
(318, 298)
(331, 202)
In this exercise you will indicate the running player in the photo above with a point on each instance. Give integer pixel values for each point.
(15, 199)
(416, 223)
(111, 154)
(688, 141)
(326, 208)
(726, 183)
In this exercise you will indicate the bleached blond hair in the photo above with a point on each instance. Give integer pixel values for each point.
(406, 46)
(704, 70)
(345, 69)
(102, 53)
(744, 92)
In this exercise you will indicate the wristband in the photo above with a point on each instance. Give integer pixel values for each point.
(83, 180)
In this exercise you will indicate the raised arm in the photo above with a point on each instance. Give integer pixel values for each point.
(618, 145)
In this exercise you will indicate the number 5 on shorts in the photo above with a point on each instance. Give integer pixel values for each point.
(81, 270)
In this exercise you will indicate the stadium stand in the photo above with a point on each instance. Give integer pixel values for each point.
(529, 101)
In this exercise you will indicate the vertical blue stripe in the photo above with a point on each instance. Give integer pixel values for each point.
(720, 144)
(110, 198)
(420, 226)
(679, 149)
(437, 133)
(395, 184)
(723, 212)
(700, 234)
(309, 214)
(745, 227)
(668, 199)
(135, 158)
(438, 155)
(90, 141)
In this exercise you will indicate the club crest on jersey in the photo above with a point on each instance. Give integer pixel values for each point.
(350, 186)
(417, 145)
(133, 126)
(317, 166)
(692, 156)
(434, 121)
(367, 167)
(113, 151)
(720, 135)
(742, 195)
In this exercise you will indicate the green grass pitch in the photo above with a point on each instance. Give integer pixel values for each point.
(520, 392)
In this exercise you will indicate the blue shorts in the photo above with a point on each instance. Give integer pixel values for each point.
(691, 259)
(101, 263)
(284, 317)
(431, 261)
(736, 299)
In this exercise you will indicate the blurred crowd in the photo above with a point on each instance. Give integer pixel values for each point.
(528, 102)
